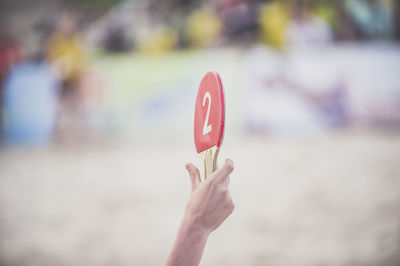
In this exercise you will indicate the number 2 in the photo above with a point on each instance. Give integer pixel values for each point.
(207, 128)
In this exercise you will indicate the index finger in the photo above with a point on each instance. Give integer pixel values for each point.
(223, 172)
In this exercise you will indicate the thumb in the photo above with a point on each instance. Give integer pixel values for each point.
(194, 175)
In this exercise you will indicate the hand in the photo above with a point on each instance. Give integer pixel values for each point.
(209, 205)
(210, 202)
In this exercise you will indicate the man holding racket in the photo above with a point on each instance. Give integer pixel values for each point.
(209, 205)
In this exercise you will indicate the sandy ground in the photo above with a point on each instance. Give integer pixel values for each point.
(330, 200)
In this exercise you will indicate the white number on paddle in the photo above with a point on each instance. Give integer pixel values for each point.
(207, 128)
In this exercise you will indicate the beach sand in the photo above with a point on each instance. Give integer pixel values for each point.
(329, 200)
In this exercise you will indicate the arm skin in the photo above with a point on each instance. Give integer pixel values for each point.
(209, 205)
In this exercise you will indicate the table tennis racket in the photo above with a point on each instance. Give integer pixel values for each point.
(209, 121)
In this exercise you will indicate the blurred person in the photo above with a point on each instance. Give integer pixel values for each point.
(373, 18)
(239, 19)
(274, 18)
(342, 24)
(116, 39)
(10, 55)
(306, 29)
(30, 104)
(326, 11)
(396, 14)
(65, 52)
(204, 27)
(30, 98)
(160, 40)
(209, 205)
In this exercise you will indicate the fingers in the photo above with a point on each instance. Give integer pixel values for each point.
(194, 175)
(223, 173)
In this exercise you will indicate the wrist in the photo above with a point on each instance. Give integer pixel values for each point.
(192, 226)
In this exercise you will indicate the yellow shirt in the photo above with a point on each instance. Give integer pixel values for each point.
(66, 53)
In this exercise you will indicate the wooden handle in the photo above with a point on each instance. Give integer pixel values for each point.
(209, 158)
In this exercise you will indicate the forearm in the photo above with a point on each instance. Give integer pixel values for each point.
(189, 244)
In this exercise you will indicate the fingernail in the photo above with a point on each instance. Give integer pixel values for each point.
(187, 167)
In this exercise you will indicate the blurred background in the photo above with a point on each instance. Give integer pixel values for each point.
(97, 105)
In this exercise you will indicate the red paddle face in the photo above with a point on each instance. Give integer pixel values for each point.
(209, 115)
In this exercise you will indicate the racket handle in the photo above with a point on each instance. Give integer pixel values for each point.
(209, 157)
